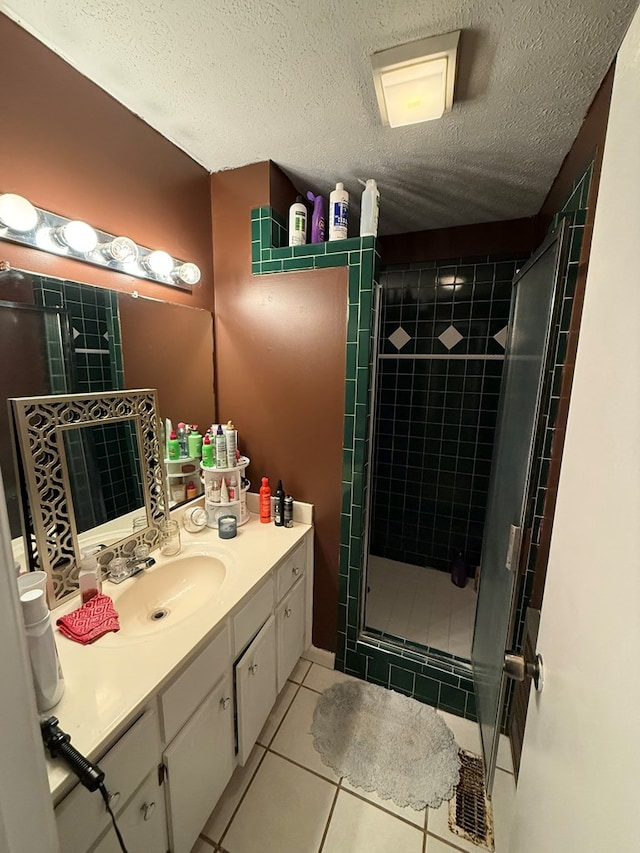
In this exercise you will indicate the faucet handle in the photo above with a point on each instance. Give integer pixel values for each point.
(118, 569)
(142, 551)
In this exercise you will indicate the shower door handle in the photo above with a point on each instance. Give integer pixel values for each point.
(517, 667)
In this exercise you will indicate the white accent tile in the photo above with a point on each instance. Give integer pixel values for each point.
(294, 739)
(503, 800)
(284, 700)
(359, 827)
(300, 670)
(319, 678)
(450, 337)
(501, 337)
(232, 795)
(412, 815)
(399, 338)
(285, 810)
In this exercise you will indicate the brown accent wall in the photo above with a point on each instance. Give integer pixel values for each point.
(170, 348)
(280, 369)
(69, 147)
(510, 236)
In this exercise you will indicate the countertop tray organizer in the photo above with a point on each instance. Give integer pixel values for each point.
(234, 477)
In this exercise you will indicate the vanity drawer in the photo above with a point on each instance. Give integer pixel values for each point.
(82, 816)
(252, 616)
(180, 700)
(291, 568)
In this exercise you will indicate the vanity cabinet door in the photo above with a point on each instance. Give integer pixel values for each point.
(290, 625)
(255, 687)
(199, 764)
(142, 822)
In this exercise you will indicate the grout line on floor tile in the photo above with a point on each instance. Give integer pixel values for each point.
(284, 716)
(326, 827)
(302, 767)
(208, 842)
(381, 808)
(240, 801)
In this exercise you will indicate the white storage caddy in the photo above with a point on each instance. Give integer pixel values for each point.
(237, 506)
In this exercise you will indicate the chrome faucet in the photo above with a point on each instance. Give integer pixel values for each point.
(121, 569)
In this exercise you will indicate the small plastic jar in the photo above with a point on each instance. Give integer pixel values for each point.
(227, 526)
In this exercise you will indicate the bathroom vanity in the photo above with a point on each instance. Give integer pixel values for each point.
(169, 707)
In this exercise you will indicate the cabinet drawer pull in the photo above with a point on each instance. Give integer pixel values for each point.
(252, 668)
(288, 611)
(225, 702)
(113, 799)
(296, 570)
(147, 810)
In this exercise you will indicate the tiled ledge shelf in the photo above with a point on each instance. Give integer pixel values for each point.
(446, 684)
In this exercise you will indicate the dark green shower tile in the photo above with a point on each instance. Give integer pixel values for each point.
(346, 497)
(337, 246)
(362, 385)
(367, 270)
(349, 424)
(354, 284)
(255, 252)
(351, 360)
(350, 397)
(345, 527)
(271, 266)
(265, 232)
(427, 689)
(293, 264)
(337, 260)
(368, 242)
(265, 211)
(282, 254)
(401, 680)
(265, 254)
(255, 229)
(470, 711)
(452, 699)
(356, 664)
(378, 668)
(256, 268)
(352, 324)
(255, 213)
(309, 249)
(347, 463)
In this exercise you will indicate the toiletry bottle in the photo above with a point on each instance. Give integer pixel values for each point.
(232, 486)
(232, 443)
(338, 213)
(173, 446)
(45, 666)
(318, 232)
(182, 439)
(288, 511)
(278, 506)
(194, 442)
(298, 222)
(265, 501)
(89, 577)
(213, 485)
(369, 209)
(168, 429)
(207, 452)
(191, 490)
(224, 492)
(221, 449)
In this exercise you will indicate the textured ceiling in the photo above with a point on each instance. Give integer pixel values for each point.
(233, 83)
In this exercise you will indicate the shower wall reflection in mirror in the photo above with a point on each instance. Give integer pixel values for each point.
(440, 351)
(64, 337)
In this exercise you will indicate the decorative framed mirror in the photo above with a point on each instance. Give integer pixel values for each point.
(92, 474)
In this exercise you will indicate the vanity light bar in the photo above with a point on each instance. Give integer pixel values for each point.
(21, 222)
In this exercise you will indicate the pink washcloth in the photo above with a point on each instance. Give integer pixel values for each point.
(91, 621)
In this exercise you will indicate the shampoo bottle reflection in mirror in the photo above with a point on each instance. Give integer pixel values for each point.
(173, 446)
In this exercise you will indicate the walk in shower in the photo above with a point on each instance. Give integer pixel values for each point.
(440, 350)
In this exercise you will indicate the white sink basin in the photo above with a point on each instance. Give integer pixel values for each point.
(164, 595)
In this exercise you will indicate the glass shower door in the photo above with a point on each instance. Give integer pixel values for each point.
(530, 327)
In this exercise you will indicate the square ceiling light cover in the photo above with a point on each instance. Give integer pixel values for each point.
(414, 82)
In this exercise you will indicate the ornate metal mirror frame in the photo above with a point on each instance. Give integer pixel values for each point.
(50, 532)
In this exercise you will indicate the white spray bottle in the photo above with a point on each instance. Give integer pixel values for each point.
(369, 208)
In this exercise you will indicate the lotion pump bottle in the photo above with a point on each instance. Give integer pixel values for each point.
(265, 501)
(369, 209)
(45, 666)
(338, 213)
(207, 452)
(298, 222)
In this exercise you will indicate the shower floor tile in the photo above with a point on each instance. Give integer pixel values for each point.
(421, 605)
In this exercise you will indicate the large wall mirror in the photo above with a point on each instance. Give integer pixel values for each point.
(63, 337)
(68, 510)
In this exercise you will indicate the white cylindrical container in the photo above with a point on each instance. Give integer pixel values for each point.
(232, 443)
(298, 222)
(369, 209)
(45, 666)
(338, 213)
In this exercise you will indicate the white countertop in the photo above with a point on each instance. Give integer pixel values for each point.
(109, 682)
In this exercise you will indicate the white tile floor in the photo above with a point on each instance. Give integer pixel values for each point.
(286, 801)
(421, 605)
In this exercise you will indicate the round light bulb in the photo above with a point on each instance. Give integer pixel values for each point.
(17, 213)
(121, 249)
(160, 263)
(189, 273)
(79, 236)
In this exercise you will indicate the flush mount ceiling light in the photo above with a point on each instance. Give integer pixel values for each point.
(414, 82)
(21, 222)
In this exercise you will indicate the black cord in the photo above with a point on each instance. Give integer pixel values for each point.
(105, 797)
